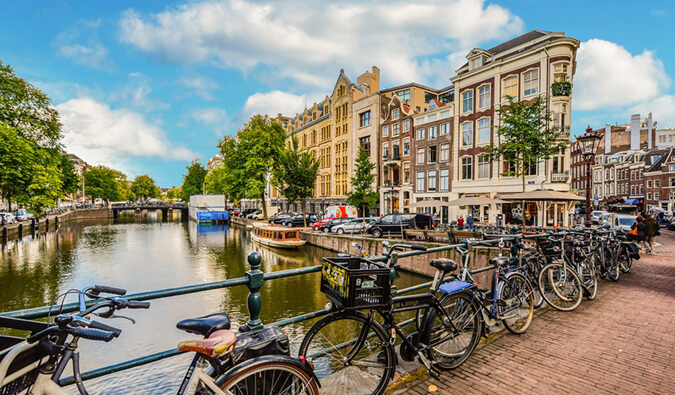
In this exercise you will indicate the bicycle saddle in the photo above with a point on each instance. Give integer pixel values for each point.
(219, 343)
(499, 261)
(444, 265)
(205, 325)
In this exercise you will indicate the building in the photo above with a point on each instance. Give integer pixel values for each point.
(215, 161)
(538, 63)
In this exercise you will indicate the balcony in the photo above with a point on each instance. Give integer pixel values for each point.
(560, 177)
(394, 159)
(562, 88)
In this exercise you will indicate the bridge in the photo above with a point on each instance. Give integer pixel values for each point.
(166, 209)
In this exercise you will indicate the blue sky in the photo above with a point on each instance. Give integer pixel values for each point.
(146, 86)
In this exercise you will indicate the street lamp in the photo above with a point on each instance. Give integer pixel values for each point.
(588, 142)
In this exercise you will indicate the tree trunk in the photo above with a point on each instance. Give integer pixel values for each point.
(9, 203)
(264, 206)
(304, 214)
(523, 177)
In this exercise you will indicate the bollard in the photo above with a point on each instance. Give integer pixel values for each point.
(4, 233)
(20, 231)
(255, 282)
(33, 223)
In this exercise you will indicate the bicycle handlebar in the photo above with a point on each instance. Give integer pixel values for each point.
(97, 289)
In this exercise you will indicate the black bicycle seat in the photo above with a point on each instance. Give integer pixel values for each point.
(205, 325)
(444, 265)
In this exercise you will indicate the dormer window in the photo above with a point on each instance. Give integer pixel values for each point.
(478, 62)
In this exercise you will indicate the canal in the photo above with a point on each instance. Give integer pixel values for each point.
(145, 254)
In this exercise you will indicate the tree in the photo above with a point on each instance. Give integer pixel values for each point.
(69, 178)
(525, 137)
(46, 184)
(214, 182)
(173, 193)
(260, 142)
(232, 177)
(193, 181)
(104, 182)
(145, 186)
(295, 174)
(362, 195)
(28, 110)
(16, 156)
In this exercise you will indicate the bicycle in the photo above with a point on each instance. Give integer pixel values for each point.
(559, 284)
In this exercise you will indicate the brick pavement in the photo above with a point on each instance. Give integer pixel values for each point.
(623, 342)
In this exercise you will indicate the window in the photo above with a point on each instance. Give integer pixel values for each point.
(649, 183)
(406, 146)
(406, 125)
(395, 129)
(484, 96)
(364, 119)
(385, 150)
(395, 113)
(656, 196)
(467, 101)
(467, 133)
(406, 172)
(656, 183)
(365, 143)
(484, 131)
(432, 180)
(432, 132)
(396, 150)
(445, 180)
(467, 168)
(476, 63)
(560, 72)
(649, 196)
(404, 95)
(420, 156)
(445, 129)
(510, 86)
(672, 168)
(483, 167)
(432, 154)
(385, 131)
(429, 97)
(420, 181)
(531, 81)
(445, 152)
(420, 134)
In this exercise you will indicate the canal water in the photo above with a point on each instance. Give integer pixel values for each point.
(145, 254)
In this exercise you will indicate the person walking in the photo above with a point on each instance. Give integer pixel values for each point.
(652, 227)
(469, 222)
(638, 231)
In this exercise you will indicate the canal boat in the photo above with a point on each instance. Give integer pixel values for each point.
(276, 236)
(209, 209)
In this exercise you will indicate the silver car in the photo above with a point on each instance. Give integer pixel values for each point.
(7, 218)
(354, 226)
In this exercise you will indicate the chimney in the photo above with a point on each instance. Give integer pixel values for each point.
(635, 132)
(650, 142)
(608, 139)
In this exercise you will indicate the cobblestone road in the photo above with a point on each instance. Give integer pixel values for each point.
(622, 342)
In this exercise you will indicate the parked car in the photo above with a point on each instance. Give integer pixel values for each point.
(355, 225)
(22, 215)
(297, 220)
(258, 215)
(249, 211)
(596, 216)
(622, 221)
(235, 212)
(321, 222)
(326, 227)
(278, 218)
(7, 218)
(394, 224)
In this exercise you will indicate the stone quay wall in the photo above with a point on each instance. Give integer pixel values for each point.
(20, 229)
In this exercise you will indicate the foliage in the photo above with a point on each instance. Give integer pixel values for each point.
(46, 185)
(231, 176)
(16, 156)
(69, 177)
(193, 181)
(295, 174)
(173, 193)
(561, 88)
(214, 182)
(525, 137)
(26, 109)
(363, 195)
(104, 182)
(144, 186)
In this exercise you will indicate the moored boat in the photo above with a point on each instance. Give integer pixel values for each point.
(276, 236)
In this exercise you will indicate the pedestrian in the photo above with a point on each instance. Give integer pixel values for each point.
(469, 222)
(652, 227)
(637, 231)
(460, 222)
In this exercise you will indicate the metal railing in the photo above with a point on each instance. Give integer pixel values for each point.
(254, 280)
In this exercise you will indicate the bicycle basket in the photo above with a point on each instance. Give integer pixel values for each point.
(355, 283)
(550, 249)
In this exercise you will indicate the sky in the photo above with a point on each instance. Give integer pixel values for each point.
(147, 86)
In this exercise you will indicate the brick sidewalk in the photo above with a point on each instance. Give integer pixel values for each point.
(622, 342)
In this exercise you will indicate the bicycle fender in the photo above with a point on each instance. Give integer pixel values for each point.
(269, 358)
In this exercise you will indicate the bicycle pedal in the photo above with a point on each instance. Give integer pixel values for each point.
(434, 373)
(501, 302)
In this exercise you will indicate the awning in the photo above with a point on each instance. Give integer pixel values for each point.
(631, 201)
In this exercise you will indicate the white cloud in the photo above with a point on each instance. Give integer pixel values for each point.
(661, 109)
(272, 103)
(210, 116)
(610, 76)
(137, 95)
(304, 43)
(81, 45)
(113, 137)
(201, 86)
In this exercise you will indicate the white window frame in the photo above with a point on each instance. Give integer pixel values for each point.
(480, 135)
(446, 150)
(444, 178)
(429, 153)
(487, 95)
(395, 113)
(406, 125)
(419, 160)
(534, 87)
(504, 87)
(406, 142)
(420, 177)
(467, 97)
(385, 150)
(444, 129)
(385, 131)
(462, 165)
(421, 133)
(484, 165)
(464, 143)
(431, 177)
(432, 132)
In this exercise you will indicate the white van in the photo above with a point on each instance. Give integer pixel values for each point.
(340, 212)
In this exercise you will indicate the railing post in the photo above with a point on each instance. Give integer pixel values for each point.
(255, 282)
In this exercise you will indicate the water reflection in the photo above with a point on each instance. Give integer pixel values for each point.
(142, 253)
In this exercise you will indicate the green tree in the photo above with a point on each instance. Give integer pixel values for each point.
(363, 195)
(46, 184)
(104, 182)
(193, 181)
(295, 174)
(28, 110)
(173, 193)
(259, 142)
(232, 177)
(144, 186)
(525, 137)
(69, 178)
(16, 157)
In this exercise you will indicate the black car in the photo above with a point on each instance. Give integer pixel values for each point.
(248, 211)
(278, 218)
(297, 220)
(394, 224)
(337, 221)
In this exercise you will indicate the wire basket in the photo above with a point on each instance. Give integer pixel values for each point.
(355, 283)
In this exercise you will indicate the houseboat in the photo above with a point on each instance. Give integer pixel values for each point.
(208, 209)
(276, 236)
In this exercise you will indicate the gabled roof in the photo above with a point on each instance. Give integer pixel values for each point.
(518, 41)
(657, 165)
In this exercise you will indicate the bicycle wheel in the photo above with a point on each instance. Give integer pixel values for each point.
(515, 291)
(452, 335)
(560, 287)
(534, 266)
(589, 279)
(269, 377)
(613, 271)
(625, 261)
(341, 366)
